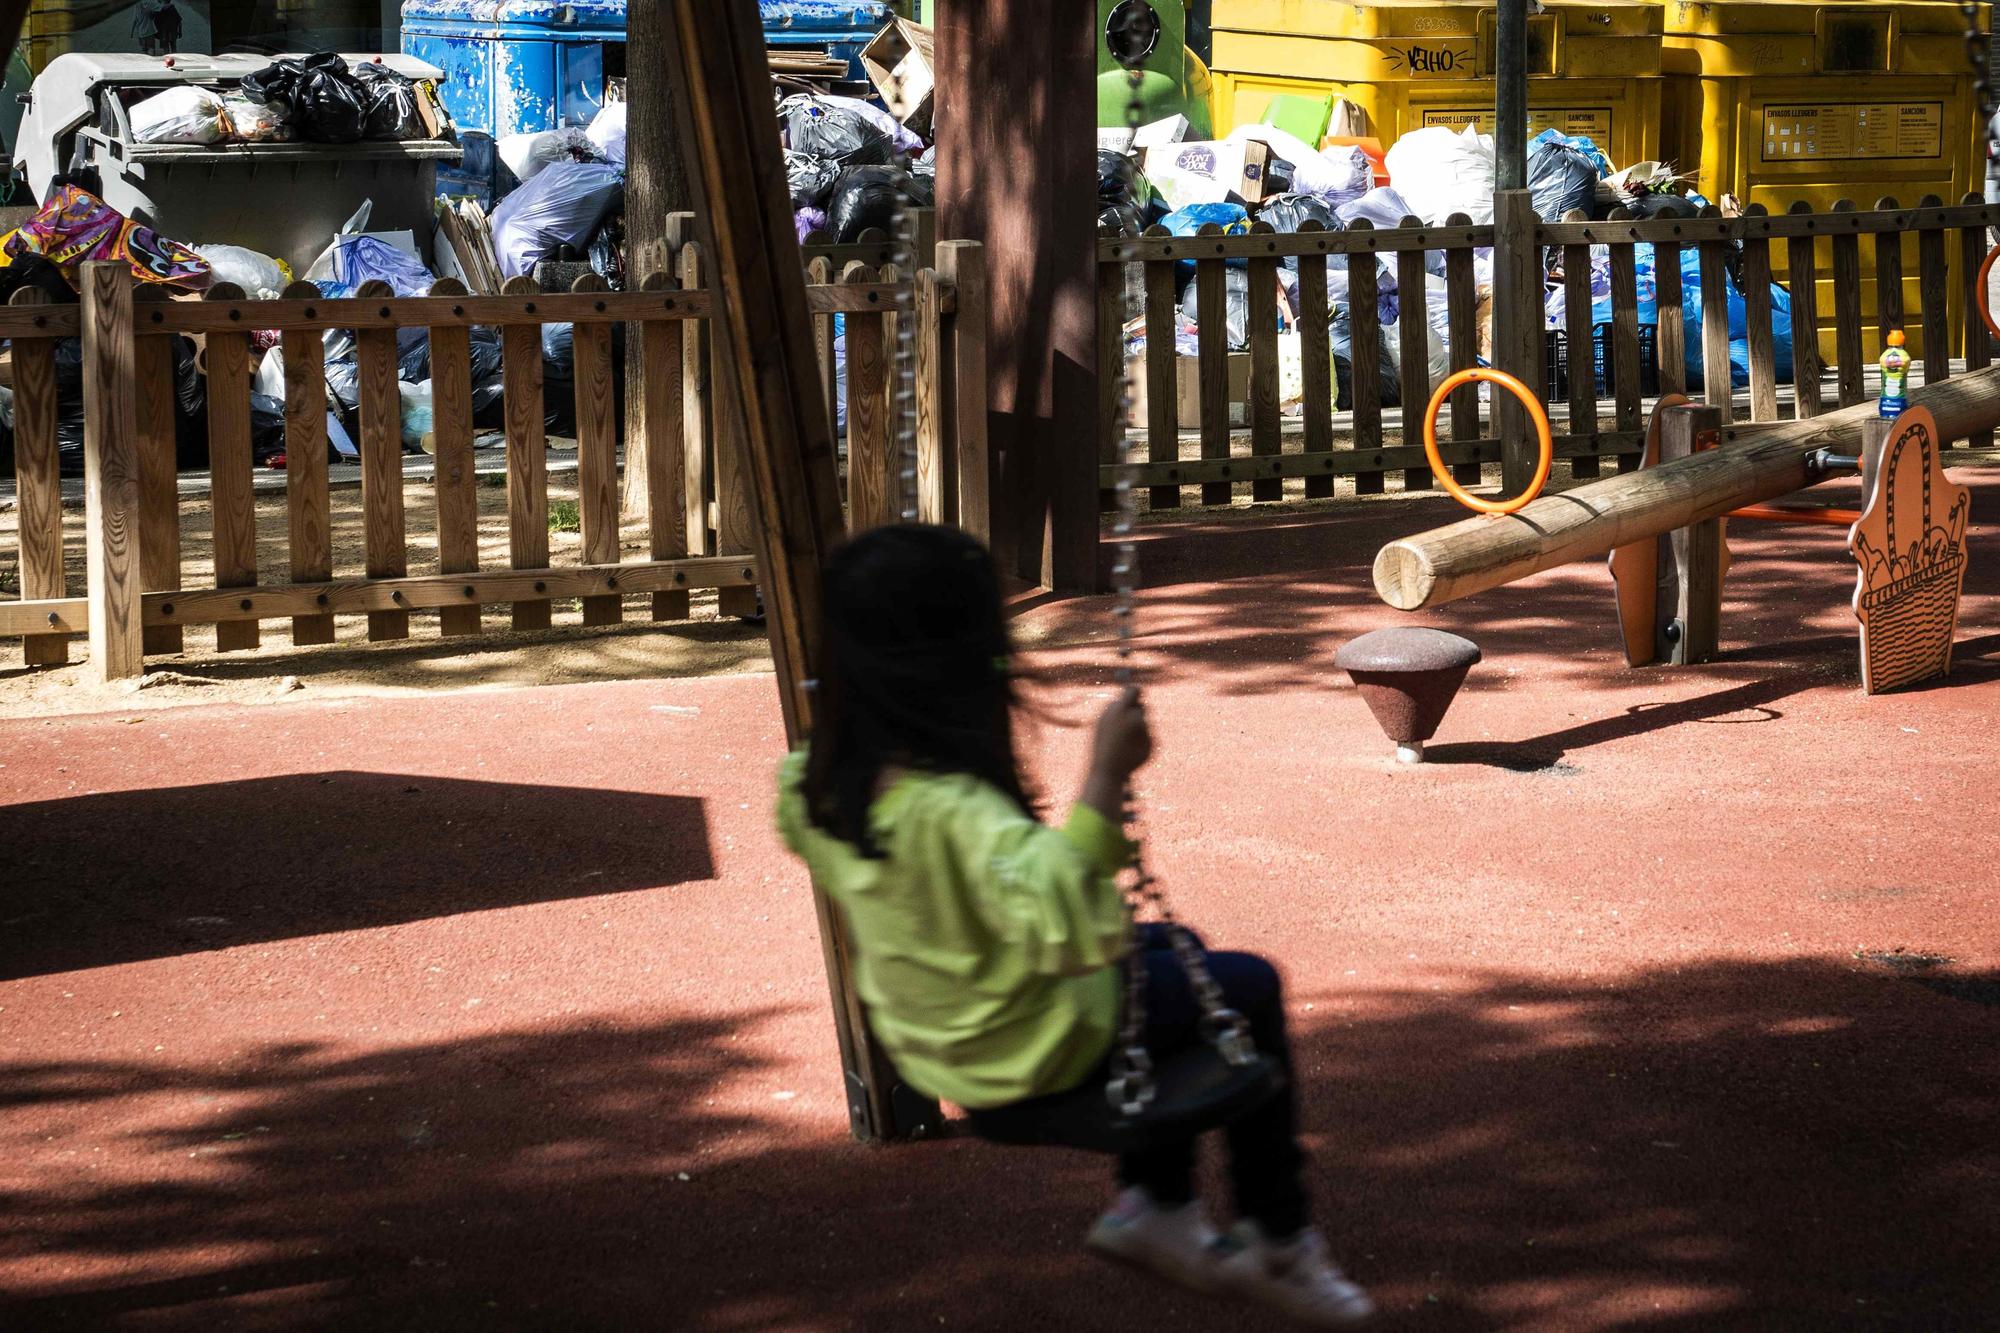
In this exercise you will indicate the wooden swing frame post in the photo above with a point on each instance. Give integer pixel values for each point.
(713, 60)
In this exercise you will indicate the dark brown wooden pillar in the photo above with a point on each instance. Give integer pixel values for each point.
(1017, 171)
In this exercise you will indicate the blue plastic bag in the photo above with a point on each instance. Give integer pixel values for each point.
(1234, 220)
(360, 258)
(1739, 318)
(1739, 325)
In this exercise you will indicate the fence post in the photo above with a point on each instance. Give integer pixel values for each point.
(1517, 328)
(963, 265)
(1698, 548)
(111, 474)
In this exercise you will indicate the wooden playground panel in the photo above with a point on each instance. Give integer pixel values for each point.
(688, 468)
(1202, 462)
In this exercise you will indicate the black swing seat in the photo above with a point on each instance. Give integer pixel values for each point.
(1196, 1090)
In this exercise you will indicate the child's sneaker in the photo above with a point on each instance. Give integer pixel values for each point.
(1296, 1277)
(1177, 1244)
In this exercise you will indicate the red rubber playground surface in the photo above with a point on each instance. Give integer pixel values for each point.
(505, 1010)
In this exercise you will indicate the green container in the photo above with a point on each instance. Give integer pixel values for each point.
(1173, 80)
(1301, 117)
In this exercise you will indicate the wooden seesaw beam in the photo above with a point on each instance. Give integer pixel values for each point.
(1755, 463)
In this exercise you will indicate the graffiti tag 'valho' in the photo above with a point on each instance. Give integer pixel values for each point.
(1429, 59)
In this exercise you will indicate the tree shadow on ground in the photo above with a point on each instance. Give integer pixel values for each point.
(175, 870)
(1729, 1145)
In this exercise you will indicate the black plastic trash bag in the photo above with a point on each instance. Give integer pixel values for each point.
(190, 407)
(559, 376)
(267, 429)
(559, 379)
(489, 387)
(1289, 212)
(1122, 195)
(606, 253)
(343, 389)
(391, 103)
(1560, 178)
(862, 198)
(413, 366)
(1653, 205)
(69, 405)
(326, 103)
(413, 358)
(811, 179)
(33, 270)
(824, 130)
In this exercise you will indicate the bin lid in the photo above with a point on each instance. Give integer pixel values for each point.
(840, 16)
(553, 14)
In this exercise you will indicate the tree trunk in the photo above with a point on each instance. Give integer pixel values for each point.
(656, 185)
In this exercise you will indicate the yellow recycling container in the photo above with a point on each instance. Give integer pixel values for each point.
(1778, 100)
(1594, 69)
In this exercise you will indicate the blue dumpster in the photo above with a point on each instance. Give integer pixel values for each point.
(521, 66)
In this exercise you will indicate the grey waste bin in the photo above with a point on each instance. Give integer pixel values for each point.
(283, 199)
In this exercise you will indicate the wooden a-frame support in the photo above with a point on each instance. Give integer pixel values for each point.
(714, 63)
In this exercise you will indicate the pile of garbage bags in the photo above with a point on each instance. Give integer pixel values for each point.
(316, 98)
(1433, 174)
(850, 166)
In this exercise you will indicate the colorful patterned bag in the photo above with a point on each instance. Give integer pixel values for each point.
(75, 226)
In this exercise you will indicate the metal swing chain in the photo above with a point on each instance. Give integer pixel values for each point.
(1978, 53)
(1132, 1088)
(903, 254)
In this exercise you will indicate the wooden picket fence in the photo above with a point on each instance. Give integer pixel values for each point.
(129, 595)
(1215, 462)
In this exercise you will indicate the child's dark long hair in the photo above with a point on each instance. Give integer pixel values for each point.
(913, 673)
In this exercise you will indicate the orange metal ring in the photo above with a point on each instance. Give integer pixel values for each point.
(1536, 414)
(1979, 287)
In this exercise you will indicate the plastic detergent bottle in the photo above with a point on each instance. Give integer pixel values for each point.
(1895, 377)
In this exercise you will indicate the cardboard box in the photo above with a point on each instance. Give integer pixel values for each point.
(1114, 141)
(1209, 171)
(1187, 395)
(899, 62)
(1160, 133)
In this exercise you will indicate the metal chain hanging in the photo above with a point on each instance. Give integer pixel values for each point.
(903, 254)
(1132, 1088)
(1979, 54)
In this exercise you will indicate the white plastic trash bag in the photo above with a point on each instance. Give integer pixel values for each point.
(261, 277)
(253, 121)
(1441, 172)
(607, 133)
(1382, 206)
(270, 377)
(563, 205)
(1291, 374)
(527, 155)
(417, 421)
(186, 114)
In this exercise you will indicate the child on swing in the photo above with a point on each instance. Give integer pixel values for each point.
(987, 945)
